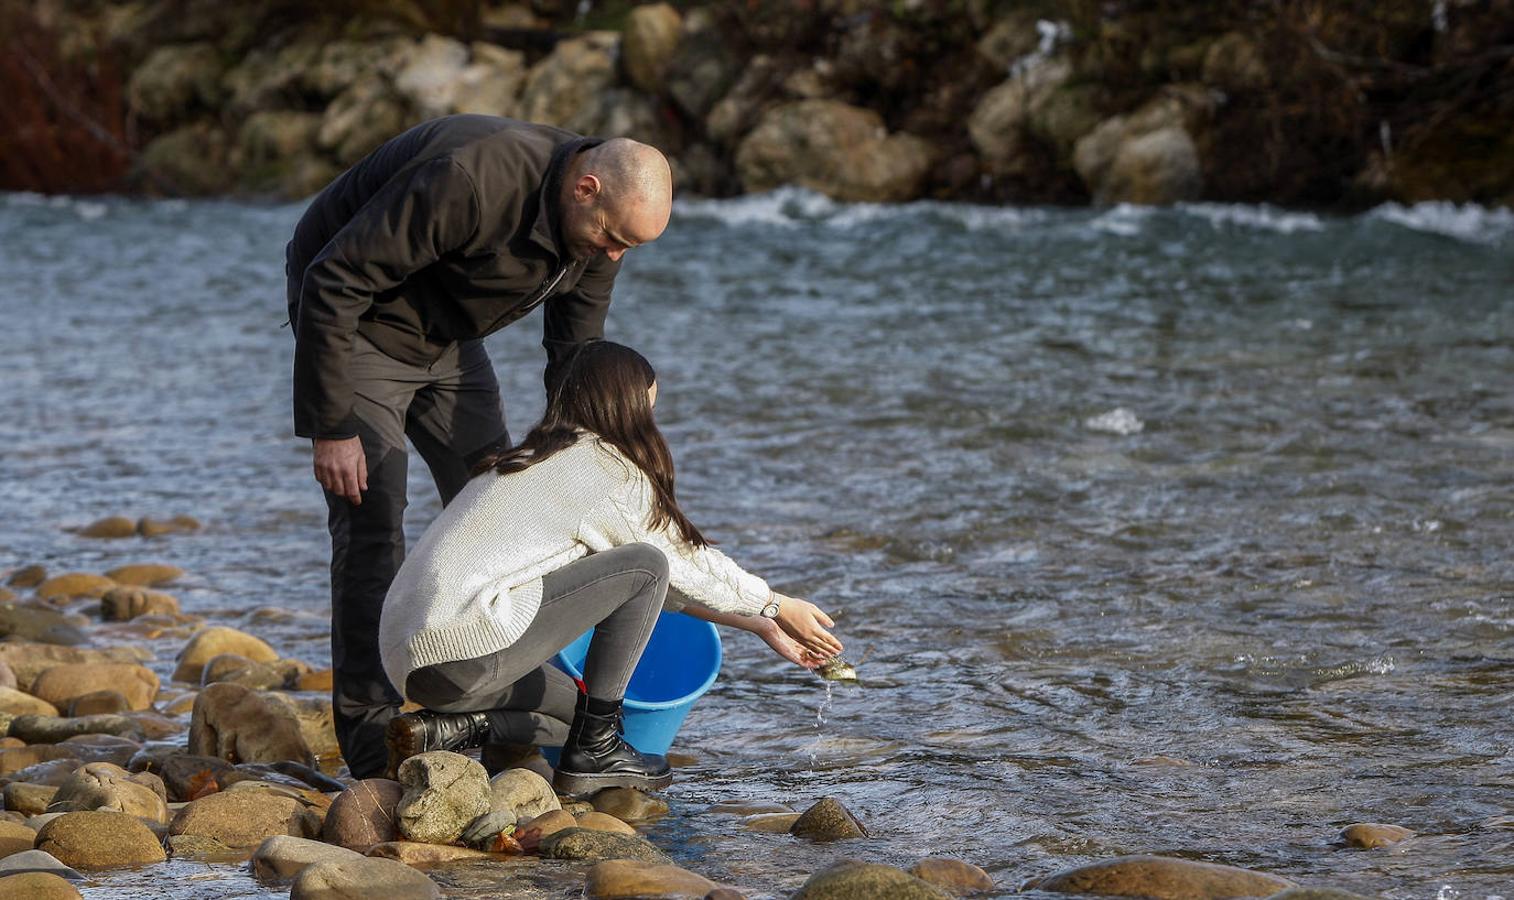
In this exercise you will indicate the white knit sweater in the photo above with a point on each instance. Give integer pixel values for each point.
(473, 582)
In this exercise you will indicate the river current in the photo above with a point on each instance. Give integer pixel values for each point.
(1176, 531)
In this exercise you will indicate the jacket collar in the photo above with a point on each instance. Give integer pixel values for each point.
(546, 229)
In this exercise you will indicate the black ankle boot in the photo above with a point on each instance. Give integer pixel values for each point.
(595, 756)
(423, 731)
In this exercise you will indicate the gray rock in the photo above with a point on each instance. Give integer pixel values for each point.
(55, 729)
(702, 69)
(1149, 155)
(842, 151)
(428, 78)
(853, 880)
(36, 624)
(522, 793)
(651, 38)
(444, 791)
(581, 843)
(492, 82)
(362, 879)
(175, 78)
(283, 856)
(827, 820)
(36, 861)
(563, 83)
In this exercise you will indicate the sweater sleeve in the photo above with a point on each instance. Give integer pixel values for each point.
(701, 575)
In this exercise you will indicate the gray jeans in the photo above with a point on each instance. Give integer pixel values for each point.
(618, 592)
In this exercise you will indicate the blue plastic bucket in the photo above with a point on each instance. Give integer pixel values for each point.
(680, 663)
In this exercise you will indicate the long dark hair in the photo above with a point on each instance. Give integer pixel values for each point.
(602, 388)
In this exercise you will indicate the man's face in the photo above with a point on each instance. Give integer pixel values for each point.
(591, 227)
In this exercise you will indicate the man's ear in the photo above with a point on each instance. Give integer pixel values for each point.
(586, 188)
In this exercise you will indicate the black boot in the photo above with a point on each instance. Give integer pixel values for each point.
(595, 756)
(423, 731)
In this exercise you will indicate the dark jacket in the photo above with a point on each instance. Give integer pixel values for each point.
(445, 233)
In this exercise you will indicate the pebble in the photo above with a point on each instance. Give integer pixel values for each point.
(74, 584)
(37, 886)
(32, 623)
(109, 527)
(122, 604)
(15, 837)
(29, 799)
(233, 723)
(1372, 835)
(37, 861)
(18, 703)
(97, 703)
(581, 843)
(622, 879)
(598, 821)
(283, 856)
(244, 819)
(145, 574)
(27, 576)
(363, 879)
(363, 815)
(522, 793)
(1162, 878)
(444, 792)
(105, 786)
(99, 840)
(547, 823)
(853, 880)
(952, 875)
(629, 804)
(208, 643)
(827, 820)
(60, 684)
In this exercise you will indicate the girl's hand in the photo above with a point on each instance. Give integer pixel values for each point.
(787, 647)
(806, 623)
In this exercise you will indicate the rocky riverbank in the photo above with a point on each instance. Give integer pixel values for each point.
(1345, 104)
(115, 759)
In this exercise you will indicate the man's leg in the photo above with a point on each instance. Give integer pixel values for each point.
(367, 547)
(457, 418)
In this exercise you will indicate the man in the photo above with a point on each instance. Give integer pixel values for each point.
(447, 233)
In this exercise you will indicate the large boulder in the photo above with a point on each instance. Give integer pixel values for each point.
(703, 67)
(282, 856)
(363, 815)
(194, 159)
(362, 879)
(103, 786)
(842, 151)
(100, 840)
(313, 715)
(31, 623)
(208, 643)
(572, 75)
(244, 819)
(239, 725)
(650, 39)
(61, 684)
(444, 792)
(363, 116)
(1162, 878)
(175, 80)
(428, 79)
(1148, 156)
(623, 112)
(853, 880)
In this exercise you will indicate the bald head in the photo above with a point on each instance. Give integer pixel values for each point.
(617, 195)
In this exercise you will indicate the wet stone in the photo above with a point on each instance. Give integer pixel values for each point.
(522, 793)
(1312, 893)
(60, 684)
(51, 730)
(362, 879)
(547, 823)
(27, 576)
(580, 843)
(74, 584)
(122, 604)
(771, 823)
(35, 624)
(208, 643)
(233, 723)
(104, 786)
(629, 804)
(145, 574)
(827, 820)
(244, 819)
(19, 703)
(952, 875)
(15, 837)
(622, 879)
(203, 848)
(282, 857)
(852, 880)
(15, 759)
(363, 815)
(98, 840)
(1373, 836)
(37, 861)
(109, 527)
(444, 792)
(412, 853)
(1162, 878)
(37, 886)
(101, 748)
(598, 821)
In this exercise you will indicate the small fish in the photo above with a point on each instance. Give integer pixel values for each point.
(837, 669)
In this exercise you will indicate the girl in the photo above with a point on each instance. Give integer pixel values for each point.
(578, 526)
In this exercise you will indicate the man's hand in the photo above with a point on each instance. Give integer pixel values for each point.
(341, 468)
(806, 623)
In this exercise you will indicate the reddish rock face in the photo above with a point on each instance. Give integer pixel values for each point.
(363, 815)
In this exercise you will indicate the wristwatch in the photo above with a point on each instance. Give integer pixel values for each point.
(770, 611)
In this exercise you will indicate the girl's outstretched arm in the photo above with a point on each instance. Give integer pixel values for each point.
(767, 629)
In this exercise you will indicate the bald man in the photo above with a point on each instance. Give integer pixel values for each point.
(445, 234)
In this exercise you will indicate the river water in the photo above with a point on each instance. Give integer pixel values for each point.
(1152, 531)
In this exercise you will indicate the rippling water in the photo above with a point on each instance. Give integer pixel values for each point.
(1182, 531)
